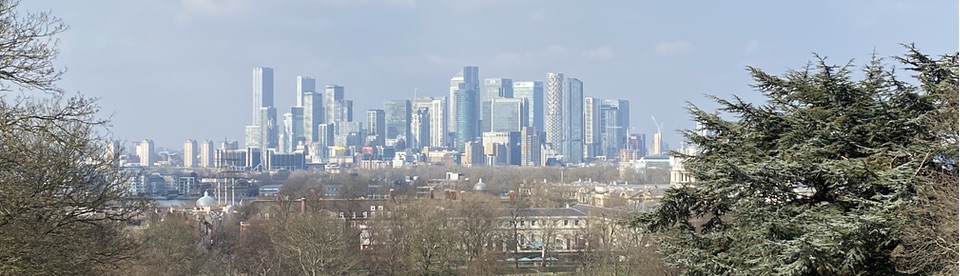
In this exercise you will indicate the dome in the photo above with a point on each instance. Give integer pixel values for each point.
(480, 186)
(206, 201)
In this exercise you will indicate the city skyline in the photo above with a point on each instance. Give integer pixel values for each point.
(630, 51)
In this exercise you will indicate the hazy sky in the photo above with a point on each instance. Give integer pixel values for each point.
(173, 70)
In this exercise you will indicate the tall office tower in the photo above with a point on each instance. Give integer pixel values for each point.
(377, 126)
(113, 151)
(343, 111)
(553, 113)
(439, 136)
(268, 128)
(657, 144)
(420, 128)
(635, 147)
(190, 153)
(532, 92)
(312, 116)
(591, 127)
(286, 133)
(296, 132)
(529, 147)
(493, 88)
(262, 91)
(508, 114)
(145, 152)
(398, 119)
(612, 131)
(332, 95)
(252, 137)
(467, 120)
(348, 134)
(622, 127)
(470, 77)
(572, 114)
(206, 153)
(305, 84)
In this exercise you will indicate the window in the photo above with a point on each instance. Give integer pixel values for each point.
(576, 222)
(523, 223)
(566, 222)
(373, 208)
(533, 223)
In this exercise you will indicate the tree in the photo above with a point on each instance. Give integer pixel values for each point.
(170, 246)
(930, 224)
(314, 244)
(62, 206)
(809, 183)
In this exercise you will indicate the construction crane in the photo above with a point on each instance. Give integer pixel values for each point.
(659, 126)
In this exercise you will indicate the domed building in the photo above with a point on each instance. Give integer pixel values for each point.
(206, 201)
(480, 186)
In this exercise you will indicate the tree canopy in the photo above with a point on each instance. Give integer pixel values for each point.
(813, 181)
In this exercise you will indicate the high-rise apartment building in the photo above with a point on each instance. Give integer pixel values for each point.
(469, 76)
(420, 128)
(295, 134)
(252, 136)
(312, 116)
(190, 153)
(146, 153)
(508, 114)
(262, 91)
(343, 111)
(269, 128)
(376, 126)
(493, 88)
(553, 113)
(532, 93)
(206, 153)
(305, 84)
(398, 115)
(572, 117)
(591, 127)
(332, 95)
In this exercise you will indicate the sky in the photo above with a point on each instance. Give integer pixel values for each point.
(176, 70)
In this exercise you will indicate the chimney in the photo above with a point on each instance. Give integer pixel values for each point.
(303, 205)
(431, 193)
(462, 194)
(513, 195)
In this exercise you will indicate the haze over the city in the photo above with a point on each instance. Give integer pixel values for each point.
(173, 70)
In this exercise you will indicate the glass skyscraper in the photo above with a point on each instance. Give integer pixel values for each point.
(532, 93)
(493, 88)
(397, 115)
(507, 115)
(467, 121)
(572, 116)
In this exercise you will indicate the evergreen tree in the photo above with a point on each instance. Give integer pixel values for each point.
(811, 182)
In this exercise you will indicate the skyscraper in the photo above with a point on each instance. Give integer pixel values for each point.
(190, 153)
(206, 153)
(529, 147)
(420, 128)
(305, 84)
(553, 118)
(268, 128)
(262, 91)
(145, 152)
(377, 126)
(493, 88)
(470, 77)
(332, 95)
(467, 121)
(612, 133)
(296, 133)
(532, 93)
(622, 126)
(439, 136)
(507, 115)
(572, 116)
(312, 116)
(591, 127)
(398, 115)
(343, 111)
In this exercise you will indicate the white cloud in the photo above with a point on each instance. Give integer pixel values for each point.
(601, 53)
(674, 48)
(753, 45)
